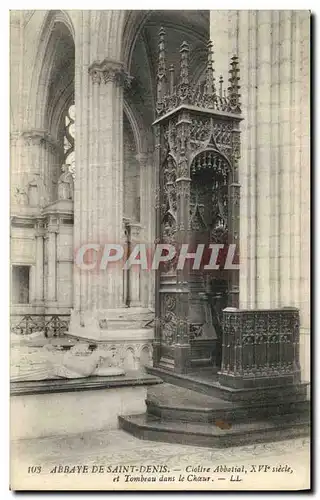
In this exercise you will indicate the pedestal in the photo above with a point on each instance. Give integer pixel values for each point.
(260, 348)
(39, 277)
(123, 331)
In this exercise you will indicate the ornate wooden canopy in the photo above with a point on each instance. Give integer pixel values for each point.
(197, 148)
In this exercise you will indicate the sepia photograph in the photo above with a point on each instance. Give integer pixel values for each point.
(160, 250)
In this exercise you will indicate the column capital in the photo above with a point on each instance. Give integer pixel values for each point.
(109, 70)
(53, 225)
(53, 229)
(40, 229)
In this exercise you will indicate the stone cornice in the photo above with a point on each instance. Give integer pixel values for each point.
(27, 219)
(109, 70)
(63, 208)
(92, 383)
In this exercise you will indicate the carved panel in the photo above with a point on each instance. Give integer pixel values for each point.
(200, 132)
(53, 325)
(168, 229)
(222, 133)
(209, 194)
(260, 343)
(168, 236)
(170, 135)
(168, 206)
(168, 320)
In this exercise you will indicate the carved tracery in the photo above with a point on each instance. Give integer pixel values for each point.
(69, 139)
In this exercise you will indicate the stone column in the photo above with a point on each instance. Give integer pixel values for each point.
(105, 183)
(248, 34)
(32, 284)
(53, 229)
(295, 177)
(182, 348)
(275, 163)
(147, 219)
(263, 158)
(304, 184)
(39, 278)
(244, 166)
(135, 271)
(304, 18)
(285, 228)
(99, 189)
(126, 272)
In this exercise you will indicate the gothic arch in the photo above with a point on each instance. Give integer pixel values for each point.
(56, 24)
(134, 22)
(109, 34)
(140, 131)
(58, 111)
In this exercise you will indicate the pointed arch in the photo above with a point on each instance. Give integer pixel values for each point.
(56, 24)
(142, 135)
(133, 24)
(110, 32)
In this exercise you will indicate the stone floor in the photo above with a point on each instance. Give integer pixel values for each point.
(278, 466)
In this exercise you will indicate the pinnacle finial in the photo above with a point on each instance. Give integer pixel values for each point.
(209, 86)
(171, 78)
(184, 63)
(162, 33)
(221, 86)
(233, 89)
(161, 73)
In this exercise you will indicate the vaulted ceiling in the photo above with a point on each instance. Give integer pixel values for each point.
(190, 26)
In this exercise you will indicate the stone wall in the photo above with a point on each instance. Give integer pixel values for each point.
(65, 266)
(274, 55)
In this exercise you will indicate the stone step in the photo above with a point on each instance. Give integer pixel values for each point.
(150, 427)
(206, 382)
(173, 403)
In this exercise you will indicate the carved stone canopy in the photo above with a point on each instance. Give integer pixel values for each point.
(109, 70)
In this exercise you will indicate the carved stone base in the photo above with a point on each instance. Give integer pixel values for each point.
(252, 382)
(176, 359)
(120, 332)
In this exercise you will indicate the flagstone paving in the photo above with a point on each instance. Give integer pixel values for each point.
(115, 447)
